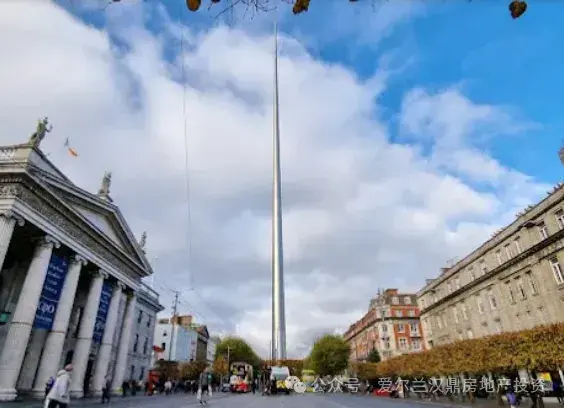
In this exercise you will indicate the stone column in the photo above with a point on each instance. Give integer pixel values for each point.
(105, 350)
(123, 348)
(14, 349)
(8, 222)
(53, 348)
(85, 333)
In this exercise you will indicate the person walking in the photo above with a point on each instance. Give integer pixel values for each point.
(106, 391)
(204, 391)
(58, 396)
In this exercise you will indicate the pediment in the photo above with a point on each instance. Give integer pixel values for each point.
(103, 217)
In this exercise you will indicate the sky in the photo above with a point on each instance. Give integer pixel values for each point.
(411, 131)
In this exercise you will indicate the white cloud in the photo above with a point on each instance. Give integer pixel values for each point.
(359, 212)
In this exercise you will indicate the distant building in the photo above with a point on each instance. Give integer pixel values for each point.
(390, 326)
(183, 341)
(212, 344)
(143, 331)
(513, 281)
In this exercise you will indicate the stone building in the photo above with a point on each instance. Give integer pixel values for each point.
(390, 326)
(68, 264)
(513, 281)
(142, 336)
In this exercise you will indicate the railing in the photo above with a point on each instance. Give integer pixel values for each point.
(152, 293)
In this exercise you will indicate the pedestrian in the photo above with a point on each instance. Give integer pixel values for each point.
(511, 397)
(167, 387)
(58, 396)
(106, 391)
(557, 390)
(204, 391)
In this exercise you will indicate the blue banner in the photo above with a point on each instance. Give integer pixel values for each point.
(51, 293)
(103, 308)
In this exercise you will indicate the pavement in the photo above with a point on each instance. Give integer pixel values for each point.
(308, 400)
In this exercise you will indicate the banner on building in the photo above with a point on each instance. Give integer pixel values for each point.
(102, 314)
(51, 293)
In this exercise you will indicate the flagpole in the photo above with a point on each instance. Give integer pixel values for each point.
(278, 301)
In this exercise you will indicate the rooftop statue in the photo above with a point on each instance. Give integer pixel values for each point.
(106, 182)
(43, 127)
(143, 240)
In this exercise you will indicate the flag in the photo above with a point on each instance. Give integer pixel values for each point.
(71, 151)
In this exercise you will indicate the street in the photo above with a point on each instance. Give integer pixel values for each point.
(238, 401)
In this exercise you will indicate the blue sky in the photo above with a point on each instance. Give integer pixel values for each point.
(363, 207)
(475, 46)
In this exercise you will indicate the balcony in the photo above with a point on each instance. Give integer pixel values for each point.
(415, 334)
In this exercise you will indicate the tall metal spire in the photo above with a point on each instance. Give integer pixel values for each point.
(278, 301)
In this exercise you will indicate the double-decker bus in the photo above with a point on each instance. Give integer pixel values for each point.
(241, 377)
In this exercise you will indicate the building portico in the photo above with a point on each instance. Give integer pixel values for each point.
(70, 269)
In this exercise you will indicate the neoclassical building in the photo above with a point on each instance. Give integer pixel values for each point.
(70, 278)
(513, 281)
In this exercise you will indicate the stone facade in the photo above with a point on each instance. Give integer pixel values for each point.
(141, 346)
(513, 281)
(70, 276)
(390, 326)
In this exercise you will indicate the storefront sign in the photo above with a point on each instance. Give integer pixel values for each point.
(51, 293)
(103, 308)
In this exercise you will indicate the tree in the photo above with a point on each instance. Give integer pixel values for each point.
(516, 7)
(238, 350)
(191, 370)
(374, 356)
(220, 366)
(329, 355)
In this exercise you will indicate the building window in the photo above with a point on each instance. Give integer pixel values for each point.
(518, 247)
(480, 305)
(493, 302)
(411, 313)
(532, 283)
(469, 334)
(557, 271)
(499, 257)
(510, 294)
(136, 343)
(132, 372)
(401, 328)
(455, 314)
(145, 345)
(395, 300)
(521, 289)
(543, 231)
(140, 317)
(483, 267)
(464, 311)
(422, 303)
(399, 313)
(142, 374)
(414, 328)
(163, 346)
(471, 274)
(407, 300)
(416, 344)
(460, 336)
(149, 321)
(403, 343)
(384, 328)
(498, 329)
(560, 218)
(508, 251)
(457, 283)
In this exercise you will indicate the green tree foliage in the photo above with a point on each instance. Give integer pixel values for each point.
(374, 356)
(239, 350)
(329, 355)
